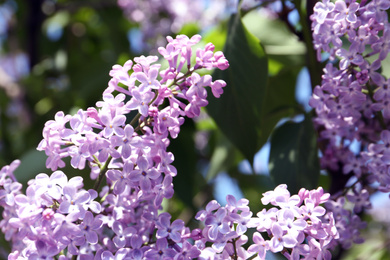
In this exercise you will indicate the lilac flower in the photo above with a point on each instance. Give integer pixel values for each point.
(220, 61)
(170, 53)
(264, 219)
(361, 200)
(44, 251)
(79, 156)
(318, 99)
(216, 87)
(383, 45)
(188, 251)
(166, 119)
(122, 233)
(120, 254)
(322, 9)
(197, 86)
(79, 123)
(287, 222)
(144, 174)
(345, 12)
(271, 196)
(354, 164)
(89, 226)
(112, 125)
(164, 190)
(204, 57)
(124, 142)
(140, 101)
(146, 62)
(52, 185)
(120, 180)
(29, 206)
(166, 229)
(349, 57)
(114, 104)
(312, 211)
(162, 251)
(384, 146)
(149, 80)
(73, 201)
(233, 205)
(165, 165)
(121, 73)
(281, 240)
(217, 224)
(260, 246)
(212, 206)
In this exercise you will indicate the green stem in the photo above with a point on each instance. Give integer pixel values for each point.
(135, 120)
(103, 170)
(252, 257)
(235, 255)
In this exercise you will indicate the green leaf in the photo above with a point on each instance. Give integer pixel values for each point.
(281, 45)
(279, 100)
(217, 36)
(32, 163)
(294, 156)
(186, 163)
(238, 111)
(224, 157)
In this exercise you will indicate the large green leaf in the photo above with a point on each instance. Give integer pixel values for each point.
(32, 163)
(280, 100)
(225, 156)
(185, 162)
(280, 44)
(294, 156)
(238, 112)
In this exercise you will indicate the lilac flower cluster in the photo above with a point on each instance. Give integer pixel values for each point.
(352, 103)
(139, 148)
(122, 217)
(54, 215)
(297, 226)
(58, 217)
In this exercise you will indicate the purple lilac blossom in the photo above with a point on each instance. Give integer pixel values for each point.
(353, 104)
(57, 216)
(288, 225)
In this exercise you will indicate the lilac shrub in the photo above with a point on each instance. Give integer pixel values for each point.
(352, 104)
(122, 217)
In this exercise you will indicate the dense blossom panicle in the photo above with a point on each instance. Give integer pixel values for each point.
(127, 223)
(288, 224)
(57, 216)
(353, 103)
